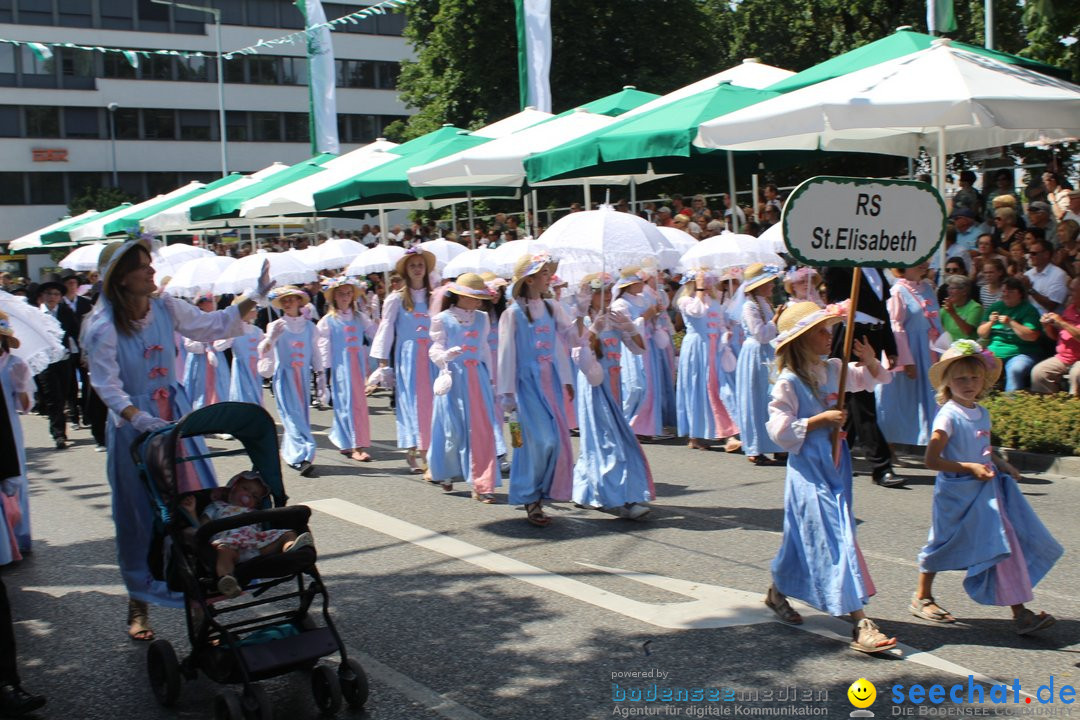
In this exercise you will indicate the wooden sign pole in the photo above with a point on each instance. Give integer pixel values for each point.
(849, 337)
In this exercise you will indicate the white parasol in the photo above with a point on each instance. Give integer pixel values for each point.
(729, 250)
(507, 254)
(83, 259)
(243, 275)
(480, 260)
(40, 336)
(381, 258)
(167, 260)
(444, 251)
(197, 276)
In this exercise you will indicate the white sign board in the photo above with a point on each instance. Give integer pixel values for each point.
(856, 221)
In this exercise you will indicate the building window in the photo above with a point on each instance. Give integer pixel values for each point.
(81, 123)
(296, 127)
(192, 69)
(232, 11)
(234, 70)
(9, 121)
(190, 21)
(294, 71)
(262, 13)
(80, 183)
(156, 67)
(117, 66)
(159, 183)
(236, 124)
(77, 70)
(35, 72)
(159, 124)
(42, 122)
(132, 183)
(266, 126)
(195, 124)
(153, 17)
(7, 64)
(35, 12)
(7, 14)
(76, 13)
(127, 123)
(263, 70)
(46, 188)
(117, 14)
(12, 188)
(390, 24)
(387, 75)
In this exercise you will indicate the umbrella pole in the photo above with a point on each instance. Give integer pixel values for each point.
(382, 225)
(941, 185)
(731, 189)
(251, 228)
(536, 213)
(525, 212)
(849, 337)
(588, 195)
(633, 196)
(472, 222)
(453, 217)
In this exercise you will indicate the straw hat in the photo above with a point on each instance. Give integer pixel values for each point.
(111, 256)
(628, 276)
(7, 331)
(529, 265)
(799, 318)
(594, 282)
(799, 277)
(757, 274)
(965, 348)
(470, 285)
(330, 285)
(285, 291)
(429, 258)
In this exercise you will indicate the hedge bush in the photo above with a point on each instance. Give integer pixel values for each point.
(1035, 423)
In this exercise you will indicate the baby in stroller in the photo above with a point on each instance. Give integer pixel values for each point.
(243, 493)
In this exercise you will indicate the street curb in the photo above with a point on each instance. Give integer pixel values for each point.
(1068, 465)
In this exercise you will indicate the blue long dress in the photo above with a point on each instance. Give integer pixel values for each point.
(20, 531)
(641, 399)
(906, 406)
(410, 335)
(611, 470)
(245, 383)
(463, 420)
(348, 358)
(819, 560)
(205, 383)
(752, 377)
(543, 466)
(139, 369)
(664, 360)
(294, 356)
(985, 527)
(701, 410)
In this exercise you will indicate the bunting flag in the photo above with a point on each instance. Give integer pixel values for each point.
(940, 16)
(534, 53)
(322, 86)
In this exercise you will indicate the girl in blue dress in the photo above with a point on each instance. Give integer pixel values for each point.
(533, 373)
(754, 369)
(132, 350)
(906, 406)
(18, 386)
(287, 354)
(611, 473)
(342, 334)
(641, 384)
(463, 422)
(981, 521)
(206, 375)
(405, 331)
(245, 383)
(819, 561)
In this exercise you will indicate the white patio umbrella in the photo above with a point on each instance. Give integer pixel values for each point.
(178, 218)
(379, 259)
(726, 251)
(615, 239)
(679, 242)
(507, 254)
(477, 261)
(33, 239)
(168, 260)
(774, 236)
(243, 275)
(937, 98)
(82, 259)
(96, 228)
(336, 253)
(40, 335)
(444, 251)
(198, 276)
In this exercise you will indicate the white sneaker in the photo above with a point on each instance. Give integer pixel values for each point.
(636, 511)
(100, 448)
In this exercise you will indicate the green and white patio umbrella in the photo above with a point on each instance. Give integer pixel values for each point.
(32, 240)
(228, 205)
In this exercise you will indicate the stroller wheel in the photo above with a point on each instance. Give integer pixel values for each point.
(163, 671)
(227, 706)
(354, 683)
(326, 689)
(257, 703)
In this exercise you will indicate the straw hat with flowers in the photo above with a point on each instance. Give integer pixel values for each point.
(802, 317)
(412, 252)
(961, 349)
(757, 274)
(470, 285)
(330, 285)
(280, 293)
(529, 265)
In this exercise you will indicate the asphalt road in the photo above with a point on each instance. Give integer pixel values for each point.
(462, 610)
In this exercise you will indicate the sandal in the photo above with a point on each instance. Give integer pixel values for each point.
(1028, 622)
(138, 619)
(780, 605)
(762, 461)
(360, 456)
(694, 445)
(920, 608)
(535, 514)
(733, 445)
(486, 498)
(868, 638)
(411, 457)
(447, 487)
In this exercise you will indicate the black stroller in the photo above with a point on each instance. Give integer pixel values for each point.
(239, 642)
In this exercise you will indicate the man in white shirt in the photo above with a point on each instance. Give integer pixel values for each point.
(1047, 284)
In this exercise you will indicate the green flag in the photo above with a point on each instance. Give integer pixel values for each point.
(940, 16)
(321, 78)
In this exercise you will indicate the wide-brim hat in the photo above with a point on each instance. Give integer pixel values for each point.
(330, 286)
(629, 276)
(799, 276)
(429, 258)
(802, 317)
(965, 348)
(51, 285)
(594, 282)
(528, 265)
(757, 274)
(7, 331)
(470, 285)
(110, 257)
(279, 293)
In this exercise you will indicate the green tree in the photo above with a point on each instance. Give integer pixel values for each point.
(1053, 29)
(97, 198)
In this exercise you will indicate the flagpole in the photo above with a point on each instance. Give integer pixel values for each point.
(988, 22)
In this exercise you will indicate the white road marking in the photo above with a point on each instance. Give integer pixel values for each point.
(713, 606)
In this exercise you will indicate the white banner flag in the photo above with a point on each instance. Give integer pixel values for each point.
(534, 53)
(321, 79)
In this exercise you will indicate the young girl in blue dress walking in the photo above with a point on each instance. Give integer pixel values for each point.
(981, 521)
(819, 561)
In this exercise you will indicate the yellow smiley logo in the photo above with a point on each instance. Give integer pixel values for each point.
(862, 693)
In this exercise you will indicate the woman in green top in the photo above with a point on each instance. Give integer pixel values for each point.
(1012, 328)
(960, 315)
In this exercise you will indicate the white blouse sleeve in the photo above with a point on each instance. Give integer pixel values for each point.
(194, 346)
(756, 326)
(104, 369)
(859, 377)
(322, 343)
(437, 351)
(191, 322)
(586, 361)
(383, 344)
(507, 382)
(897, 317)
(784, 426)
(691, 306)
(267, 357)
(483, 324)
(223, 345)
